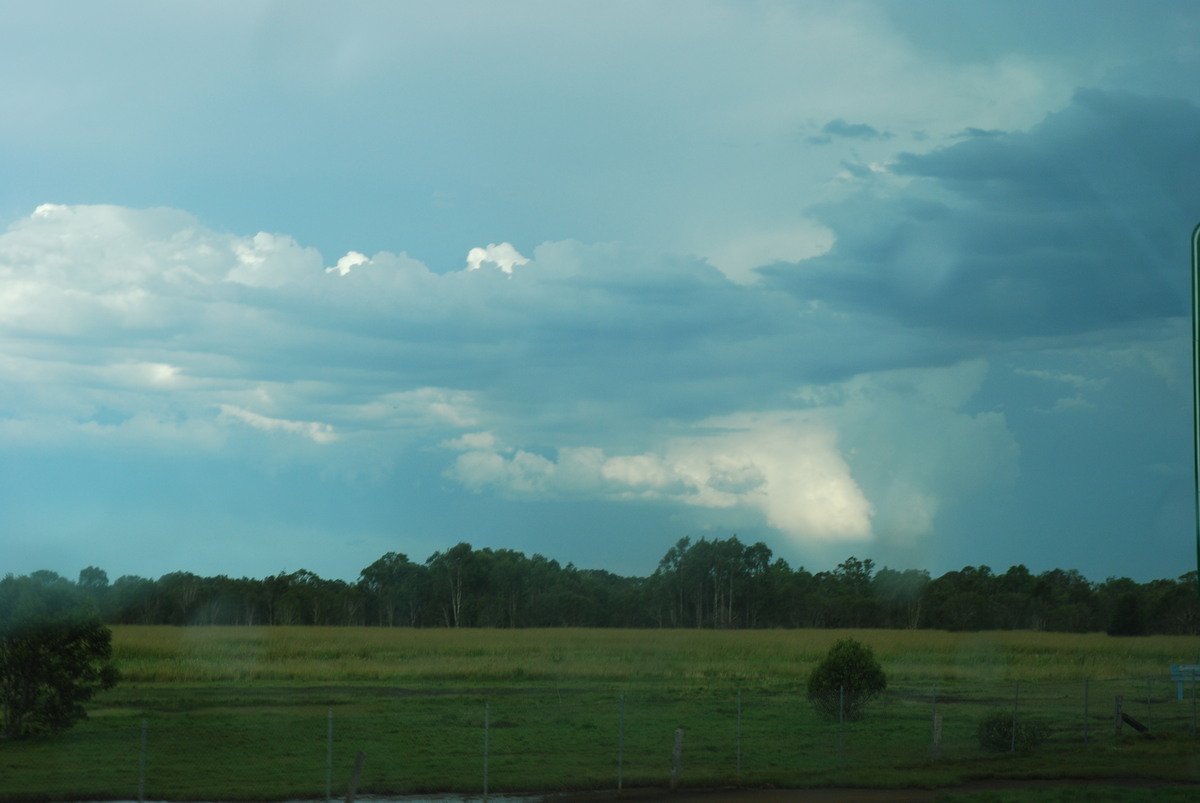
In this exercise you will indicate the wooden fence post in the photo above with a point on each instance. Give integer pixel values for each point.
(739, 736)
(936, 748)
(1016, 701)
(676, 758)
(1119, 720)
(356, 776)
(841, 725)
(621, 745)
(1149, 713)
(142, 765)
(1087, 728)
(329, 756)
(937, 735)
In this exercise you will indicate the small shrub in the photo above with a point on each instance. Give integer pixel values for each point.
(996, 733)
(845, 680)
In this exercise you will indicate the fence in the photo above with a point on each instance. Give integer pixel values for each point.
(547, 738)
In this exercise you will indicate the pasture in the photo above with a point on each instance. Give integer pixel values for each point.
(246, 713)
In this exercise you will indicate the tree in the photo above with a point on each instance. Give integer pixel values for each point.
(845, 680)
(457, 570)
(1127, 619)
(54, 656)
(392, 585)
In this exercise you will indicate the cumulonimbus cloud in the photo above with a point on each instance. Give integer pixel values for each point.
(831, 470)
(784, 466)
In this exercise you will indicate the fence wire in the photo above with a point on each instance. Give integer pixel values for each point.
(547, 738)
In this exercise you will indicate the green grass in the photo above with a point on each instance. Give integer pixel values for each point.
(242, 713)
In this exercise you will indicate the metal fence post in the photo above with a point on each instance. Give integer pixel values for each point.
(487, 714)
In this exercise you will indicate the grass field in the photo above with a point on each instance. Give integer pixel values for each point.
(245, 713)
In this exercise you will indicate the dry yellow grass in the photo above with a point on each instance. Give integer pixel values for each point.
(325, 654)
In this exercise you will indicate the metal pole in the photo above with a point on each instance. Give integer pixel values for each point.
(1196, 389)
(487, 715)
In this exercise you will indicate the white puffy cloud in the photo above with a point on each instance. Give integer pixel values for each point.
(268, 260)
(352, 259)
(504, 256)
(111, 318)
(787, 465)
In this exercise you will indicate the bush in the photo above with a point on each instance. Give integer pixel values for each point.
(54, 656)
(996, 733)
(845, 680)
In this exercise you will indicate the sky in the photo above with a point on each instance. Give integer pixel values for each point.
(292, 285)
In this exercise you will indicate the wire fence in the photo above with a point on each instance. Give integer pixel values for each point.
(546, 739)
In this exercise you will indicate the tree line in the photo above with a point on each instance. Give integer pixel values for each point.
(719, 583)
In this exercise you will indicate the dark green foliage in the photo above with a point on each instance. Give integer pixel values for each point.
(996, 733)
(1127, 619)
(54, 656)
(721, 583)
(845, 680)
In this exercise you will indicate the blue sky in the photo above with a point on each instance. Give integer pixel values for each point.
(292, 285)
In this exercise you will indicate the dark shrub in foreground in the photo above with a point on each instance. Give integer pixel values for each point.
(845, 680)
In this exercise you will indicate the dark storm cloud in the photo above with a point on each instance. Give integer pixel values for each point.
(1077, 225)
